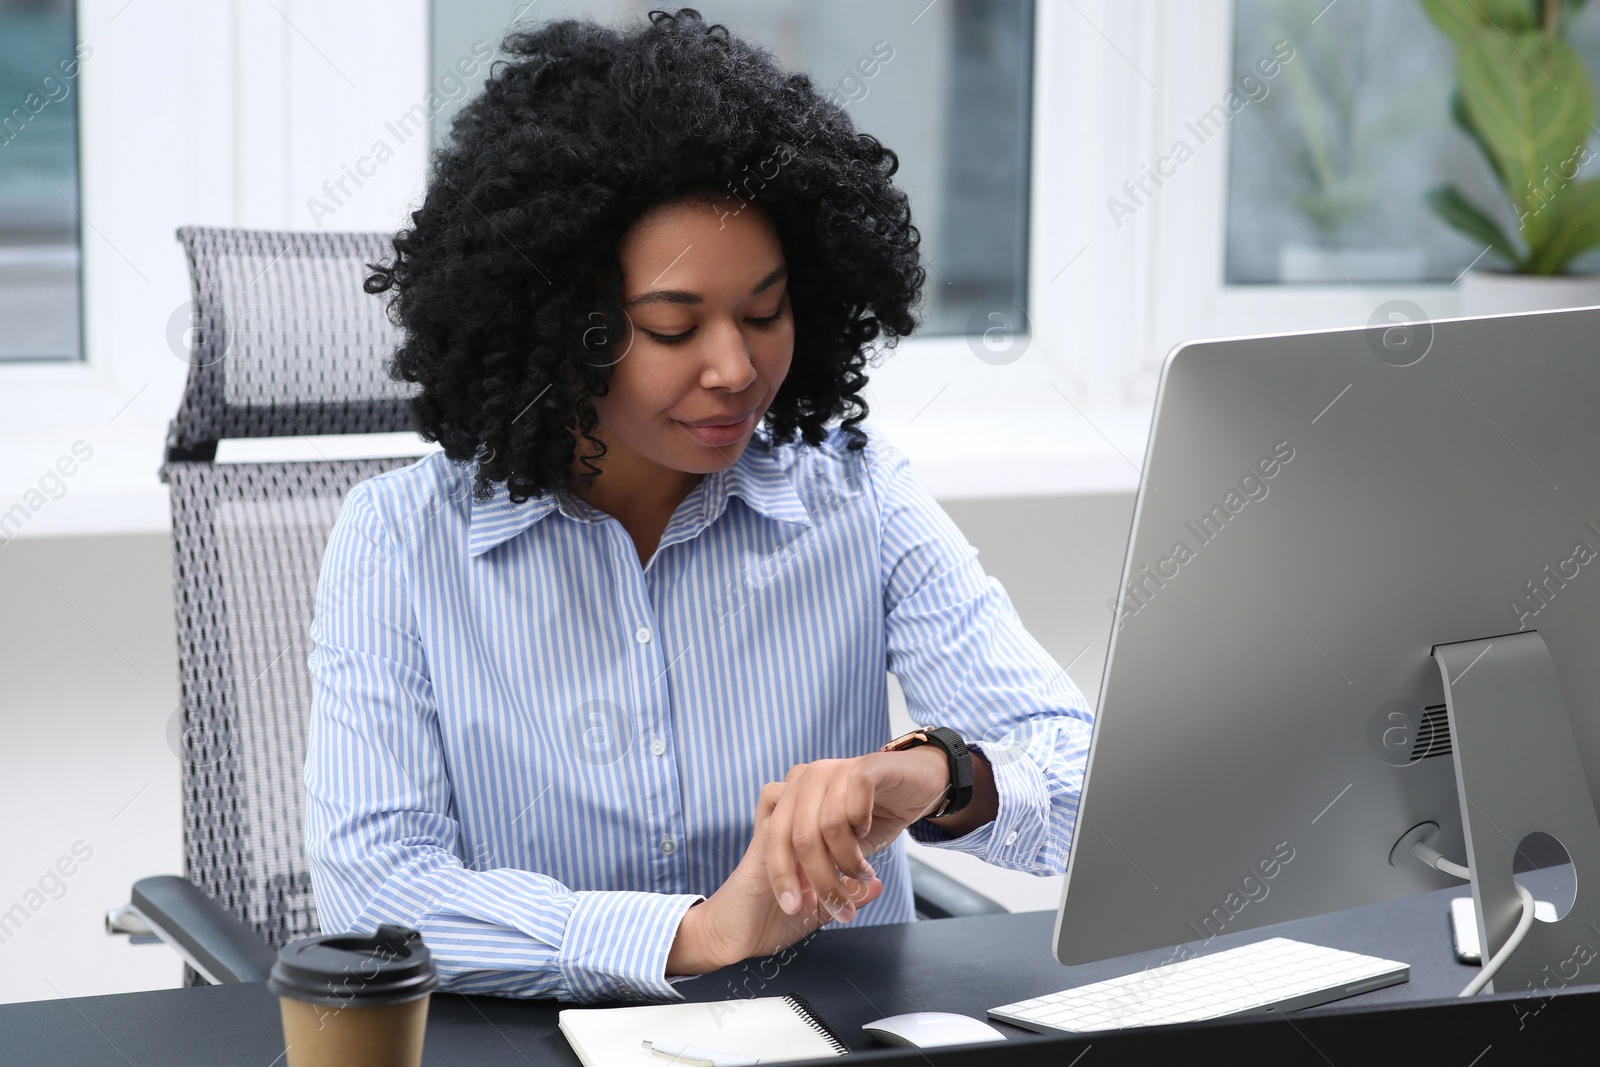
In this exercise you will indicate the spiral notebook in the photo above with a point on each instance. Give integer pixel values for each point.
(771, 1028)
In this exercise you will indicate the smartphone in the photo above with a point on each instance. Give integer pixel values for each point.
(1464, 926)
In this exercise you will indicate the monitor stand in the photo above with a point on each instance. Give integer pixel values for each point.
(1518, 772)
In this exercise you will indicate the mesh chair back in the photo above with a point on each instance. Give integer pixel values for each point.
(248, 541)
(287, 342)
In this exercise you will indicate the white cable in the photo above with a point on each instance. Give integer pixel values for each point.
(1524, 924)
(1434, 858)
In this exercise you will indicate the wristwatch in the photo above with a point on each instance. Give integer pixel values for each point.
(960, 790)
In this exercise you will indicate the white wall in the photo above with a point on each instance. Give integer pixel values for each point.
(90, 671)
(1060, 559)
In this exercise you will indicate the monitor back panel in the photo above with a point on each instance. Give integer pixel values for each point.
(1314, 518)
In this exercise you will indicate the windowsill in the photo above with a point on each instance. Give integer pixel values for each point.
(995, 457)
(117, 491)
(113, 491)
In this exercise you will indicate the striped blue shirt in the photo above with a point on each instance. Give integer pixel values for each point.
(540, 753)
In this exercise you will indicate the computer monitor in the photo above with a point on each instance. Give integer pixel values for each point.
(1318, 512)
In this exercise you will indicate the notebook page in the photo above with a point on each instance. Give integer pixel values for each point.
(767, 1027)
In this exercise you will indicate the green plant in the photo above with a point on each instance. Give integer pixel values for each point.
(1337, 140)
(1523, 95)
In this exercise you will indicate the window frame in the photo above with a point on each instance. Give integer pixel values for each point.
(268, 114)
(1186, 223)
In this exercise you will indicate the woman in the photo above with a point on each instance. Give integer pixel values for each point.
(599, 688)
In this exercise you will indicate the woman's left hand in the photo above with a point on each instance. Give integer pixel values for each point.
(835, 813)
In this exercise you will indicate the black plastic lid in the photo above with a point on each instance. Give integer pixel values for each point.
(388, 966)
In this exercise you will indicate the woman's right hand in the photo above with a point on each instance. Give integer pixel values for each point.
(742, 918)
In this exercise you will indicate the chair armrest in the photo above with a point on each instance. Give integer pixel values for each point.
(939, 896)
(210, 938)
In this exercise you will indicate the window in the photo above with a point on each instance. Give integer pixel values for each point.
(40, 303)
(950, 93)
(1332, 156)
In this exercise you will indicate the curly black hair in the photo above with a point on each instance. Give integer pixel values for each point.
(512, 259)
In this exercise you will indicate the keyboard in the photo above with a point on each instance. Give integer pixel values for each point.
(1276, 974)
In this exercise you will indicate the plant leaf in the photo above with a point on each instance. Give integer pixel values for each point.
(1458, 212)
(1458, 112)
(1530, 99)
(1461, 20)
(1573, 228)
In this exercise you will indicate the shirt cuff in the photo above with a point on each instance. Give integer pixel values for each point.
(1021, 823)
(617, 943)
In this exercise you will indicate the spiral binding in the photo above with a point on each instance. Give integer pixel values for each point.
(803, 1008)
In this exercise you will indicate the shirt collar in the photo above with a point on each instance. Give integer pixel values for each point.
(759, 476)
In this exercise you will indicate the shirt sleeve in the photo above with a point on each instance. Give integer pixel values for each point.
(380, 839)
(965, 661)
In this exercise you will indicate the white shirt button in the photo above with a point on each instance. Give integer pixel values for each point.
(625, 990)
(668, 846)
(642, 635)
(1011, 838)
(657, 747)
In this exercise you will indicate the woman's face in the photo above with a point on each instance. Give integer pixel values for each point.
(711, 335)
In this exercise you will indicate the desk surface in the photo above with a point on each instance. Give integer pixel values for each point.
(853, 976)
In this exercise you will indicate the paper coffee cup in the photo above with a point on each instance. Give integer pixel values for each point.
(355, 1000)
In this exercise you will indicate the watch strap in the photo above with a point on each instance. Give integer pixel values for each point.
(959, 793)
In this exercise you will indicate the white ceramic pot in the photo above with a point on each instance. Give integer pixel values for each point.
(1492, 292)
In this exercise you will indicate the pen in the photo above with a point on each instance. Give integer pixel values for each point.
(687, 1053)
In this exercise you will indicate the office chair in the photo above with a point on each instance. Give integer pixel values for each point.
(286, 344)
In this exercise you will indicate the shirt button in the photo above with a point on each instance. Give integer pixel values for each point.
(1011, 838)
(624, 991)
(668, 846)
(657, 747)
(642, 635)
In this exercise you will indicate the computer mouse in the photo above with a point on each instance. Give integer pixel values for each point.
(927, 1029)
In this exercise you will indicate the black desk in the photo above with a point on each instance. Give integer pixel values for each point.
(856, 975)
